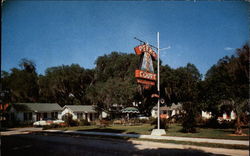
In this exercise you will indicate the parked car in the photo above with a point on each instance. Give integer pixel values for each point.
(58, 122)
(142, 117)
(47, 121)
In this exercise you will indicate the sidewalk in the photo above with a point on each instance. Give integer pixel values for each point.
(205, 140)
(16, 131)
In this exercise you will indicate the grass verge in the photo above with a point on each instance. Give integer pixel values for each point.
(173, 130)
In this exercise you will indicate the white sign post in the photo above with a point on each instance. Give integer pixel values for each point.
(158, 131)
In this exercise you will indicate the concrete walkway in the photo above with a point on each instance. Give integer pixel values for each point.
(204, 140)
(25, 130)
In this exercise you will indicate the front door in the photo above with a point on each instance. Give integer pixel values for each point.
(38, 116)
(90, 116)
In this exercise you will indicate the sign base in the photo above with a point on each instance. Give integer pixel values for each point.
(158, 132)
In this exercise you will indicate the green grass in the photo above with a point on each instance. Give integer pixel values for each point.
(174, 130)
(200, 144)
(141, 129)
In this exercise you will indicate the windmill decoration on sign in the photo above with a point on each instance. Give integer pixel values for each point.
(145, 74)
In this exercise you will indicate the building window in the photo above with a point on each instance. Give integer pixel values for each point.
(169, 112)
(38, 116)
(86, 116)
(54, 115)
(45, 115)
(12, 116)
(25, 116)
(30, 116)
(79, 115)
(90, 116)
(96, 115)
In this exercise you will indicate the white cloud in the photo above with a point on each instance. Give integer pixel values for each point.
(228, 48)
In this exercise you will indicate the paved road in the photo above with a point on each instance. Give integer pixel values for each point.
(205, 140)
(49, 144)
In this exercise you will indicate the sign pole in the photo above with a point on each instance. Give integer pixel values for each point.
(158, 79)
(157, 131)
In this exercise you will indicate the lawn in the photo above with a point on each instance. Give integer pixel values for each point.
(173, 130)
(141, 129)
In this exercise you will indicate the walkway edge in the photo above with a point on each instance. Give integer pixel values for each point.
(204, 140)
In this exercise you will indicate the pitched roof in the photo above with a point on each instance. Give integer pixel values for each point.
(81, 108)
(172, 107)
(37, 107)
(130, 110)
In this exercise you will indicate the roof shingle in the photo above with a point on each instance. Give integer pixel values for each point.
(81, 108)
(37, 107)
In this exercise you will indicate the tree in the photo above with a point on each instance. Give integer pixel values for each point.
(21, 83)
(113, 91)
(113, 81)
(65, 84)
(182, 85)
(187, 94)
(227, 84)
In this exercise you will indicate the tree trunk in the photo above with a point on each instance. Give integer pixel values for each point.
(238, 126)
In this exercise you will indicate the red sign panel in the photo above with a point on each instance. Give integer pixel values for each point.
(145, 75)
(146, 82)
(145, 48)
(155, 95)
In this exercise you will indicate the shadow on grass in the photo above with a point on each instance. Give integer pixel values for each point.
(28, 144)
(106, 130)
(132, 133)
(228, 131)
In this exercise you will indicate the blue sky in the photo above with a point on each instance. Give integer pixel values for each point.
(53, 33)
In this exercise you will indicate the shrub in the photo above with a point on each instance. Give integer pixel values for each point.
(134, 120)
(245, 119)
(227, 124)
(143, 121)
(189, 124)
(212, 123)
(200, 120)
(53, 126)
(104, 123)
(177, 118)
(10, 123)
(152, 120)
(68, 118)
(84, 122)
(118, 121)
(189, 121)
(26, 123)
(163, 123)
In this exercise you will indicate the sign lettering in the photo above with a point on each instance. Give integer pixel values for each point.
(145, 75)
